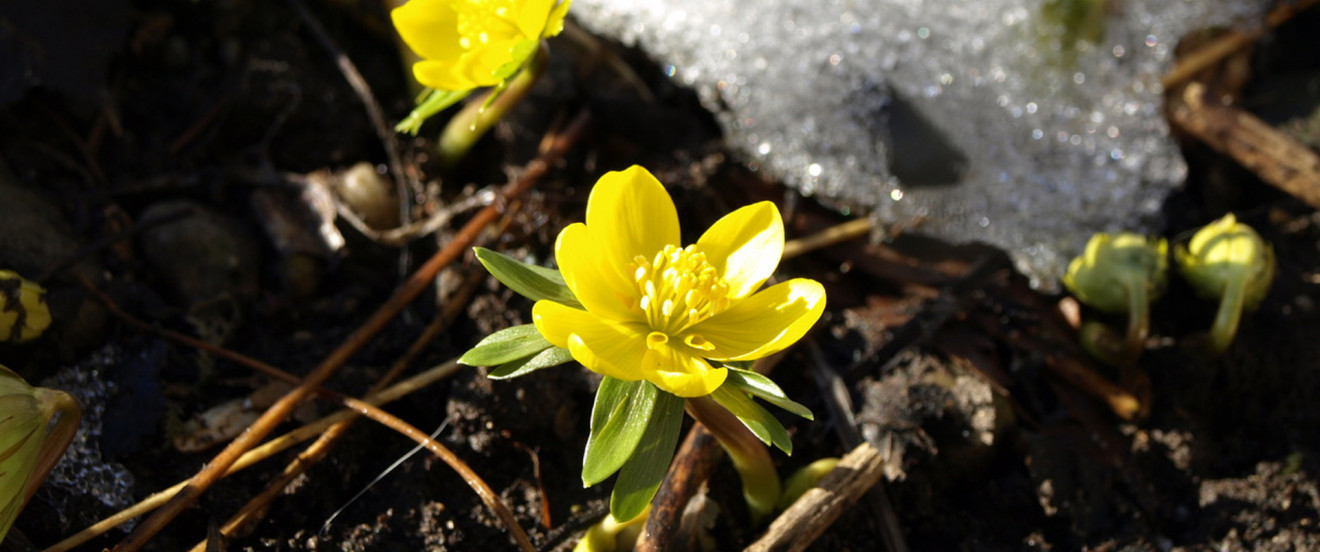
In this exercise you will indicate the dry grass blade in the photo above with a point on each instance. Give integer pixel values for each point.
(827, 237)
(266, 450)
(259, 504)
(414, 286)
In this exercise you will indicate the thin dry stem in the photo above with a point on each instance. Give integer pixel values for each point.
(259, 504)
(827, 237)
(266, 450)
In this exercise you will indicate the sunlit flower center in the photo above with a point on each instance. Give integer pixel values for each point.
(481, 23)
(678, 289)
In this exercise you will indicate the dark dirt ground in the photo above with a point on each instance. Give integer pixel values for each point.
(150, 104)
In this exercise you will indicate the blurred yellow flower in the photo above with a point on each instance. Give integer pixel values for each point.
(1117, 267)
(23, 311)
(466, 44)
(36, 425)
(1227, 253)
(661, 312)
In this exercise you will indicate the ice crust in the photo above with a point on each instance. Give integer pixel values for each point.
(1059, 137)
(82, 470)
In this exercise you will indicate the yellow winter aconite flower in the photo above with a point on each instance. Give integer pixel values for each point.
(468, 44)
(662, 312)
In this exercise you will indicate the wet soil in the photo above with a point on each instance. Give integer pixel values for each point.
(204, 114)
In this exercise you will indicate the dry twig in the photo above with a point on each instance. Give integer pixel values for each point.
(1272, 155)
(1228, 43)
(808, 518)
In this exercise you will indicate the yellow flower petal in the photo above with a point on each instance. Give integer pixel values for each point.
(681, 373)
(608, 349)
(441, 75)
(532, 16)
(631, 214)
(602, 286)
(745, 246)
(764, 323)
(430, 28)
(555, 322)
(483, 66)
(554, 24)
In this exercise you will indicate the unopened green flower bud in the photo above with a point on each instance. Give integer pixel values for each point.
(23, 311)
(1112, 266)
(1121, 273)
(1228, 261)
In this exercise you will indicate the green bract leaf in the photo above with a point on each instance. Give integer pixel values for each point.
(434, 102)
(618, 420)
(554, 356)
(530, 281)
(645, 470)
(506, 345)
(762, 423)
(760, 386)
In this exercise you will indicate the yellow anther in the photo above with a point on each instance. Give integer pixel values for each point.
(697, 342)
(655, 340)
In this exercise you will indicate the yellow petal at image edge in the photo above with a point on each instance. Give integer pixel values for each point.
(555, 22)
(745, 246)
(765, 323)
(533, 16)
(429, 28)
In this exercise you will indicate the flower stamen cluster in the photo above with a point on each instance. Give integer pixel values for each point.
(679, 288)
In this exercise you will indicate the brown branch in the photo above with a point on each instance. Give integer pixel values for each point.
(1273, 156)
(693, 465)
(808, 518)
(1228, 43)
(411, 288)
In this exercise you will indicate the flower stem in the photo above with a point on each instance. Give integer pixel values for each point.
(1229, 315)
(761, 487)
(479, 114)
(1138, 319)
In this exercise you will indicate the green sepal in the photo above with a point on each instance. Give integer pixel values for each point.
(758, 385)
(434, 102)
(642, 474)
(618, 421)
(554, 356)
(760, 421)
(533, 282)
(506, 345)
